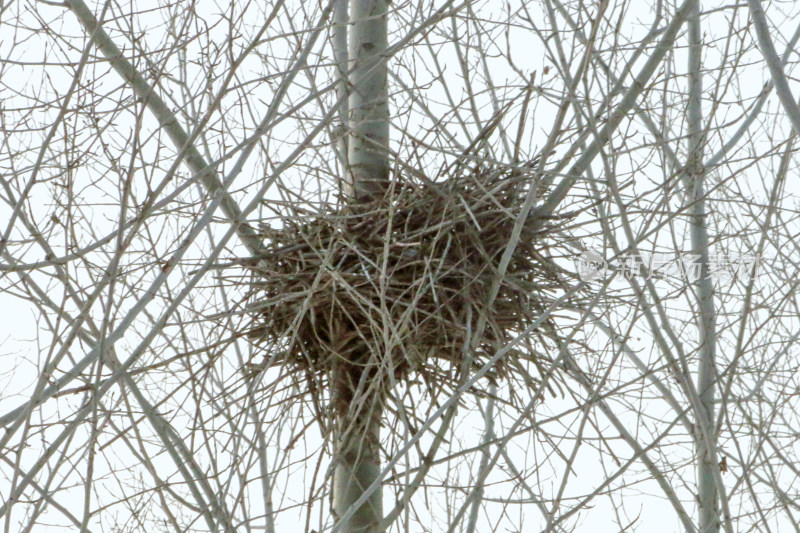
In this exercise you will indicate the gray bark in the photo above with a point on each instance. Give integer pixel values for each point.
(357, 395)
(705, 433)
(369, 108)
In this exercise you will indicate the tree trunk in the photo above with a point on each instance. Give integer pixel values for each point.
(369, 108)
(357, 389)
(357, 446)
(705, 431)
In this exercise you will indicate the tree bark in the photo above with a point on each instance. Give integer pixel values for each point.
(705, 432)
(368, 101)
(357, 387)
(357, 447)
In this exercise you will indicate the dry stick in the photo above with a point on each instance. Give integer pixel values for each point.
(450, 413)
(572, 97)
(746, 312)
(618, 340)
(37, 166)
(163, 429)
(154, 331)
(339, 140)
(441, 13)
(101, 39)
(640, 452)
(772, 209)
(489, 83)
(47, 497)
(682, 373)
(119, 373)
(428, 459)
(653, 128)
(484, 467)
(122, 371)
(368, 167)
(712, 160)
(518, 476)
(17, 212)
(448, 95)
(765, 439)
(531, 196)
(250, 411)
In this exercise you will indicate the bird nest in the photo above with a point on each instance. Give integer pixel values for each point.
(406, 283)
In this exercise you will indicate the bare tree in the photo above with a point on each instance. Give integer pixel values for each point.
(559, 296)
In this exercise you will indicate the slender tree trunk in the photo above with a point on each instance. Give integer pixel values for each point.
(705, 432)
(369, 107)
(357, 453)
(357, 394)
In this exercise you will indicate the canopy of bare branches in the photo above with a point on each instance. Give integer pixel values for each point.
(282, 266)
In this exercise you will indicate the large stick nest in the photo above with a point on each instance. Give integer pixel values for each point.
(401, 283)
